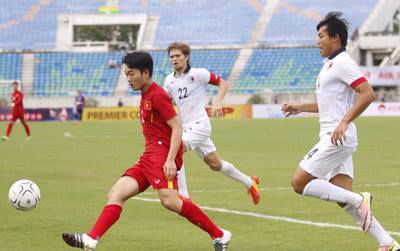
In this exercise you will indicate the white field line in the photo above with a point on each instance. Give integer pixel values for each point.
(70, 135)
(392, 184)
(273, 217)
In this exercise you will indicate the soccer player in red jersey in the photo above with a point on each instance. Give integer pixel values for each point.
(17, 106)
(157, 166)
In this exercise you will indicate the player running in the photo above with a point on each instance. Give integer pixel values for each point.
(17, 106)
(187, 86)
(158, 164)
(326, 172)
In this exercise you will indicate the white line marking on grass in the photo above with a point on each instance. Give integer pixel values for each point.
(273, 217)
(70, 135)
(281, 188)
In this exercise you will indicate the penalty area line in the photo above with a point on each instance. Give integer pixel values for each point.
(273, 217)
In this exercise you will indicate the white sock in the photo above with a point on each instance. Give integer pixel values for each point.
(375, 230)
(325, 190)
(232, 172)
(182, 187)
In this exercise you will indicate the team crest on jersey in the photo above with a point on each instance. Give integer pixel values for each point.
(147, 105)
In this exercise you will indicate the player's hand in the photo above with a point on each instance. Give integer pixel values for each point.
(338, 135)
(170, 169)
(290, 109)
(216, 109)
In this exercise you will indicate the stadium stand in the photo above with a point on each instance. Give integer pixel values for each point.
(218, 61)
(38, 22)
(10, 70)
(276, 70)
(280, 70)
(295, 20)
(61, 74)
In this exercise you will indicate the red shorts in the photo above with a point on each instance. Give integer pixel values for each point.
(150, 171)
(19, 114)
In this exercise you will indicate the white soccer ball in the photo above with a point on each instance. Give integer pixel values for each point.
(24, 195)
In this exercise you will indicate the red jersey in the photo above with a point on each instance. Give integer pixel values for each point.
(155, 110)
(17, 98)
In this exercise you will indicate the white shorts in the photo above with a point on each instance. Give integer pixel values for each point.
(196, 136)
(326, 160)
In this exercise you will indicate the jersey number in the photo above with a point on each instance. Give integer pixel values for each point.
(182, 93)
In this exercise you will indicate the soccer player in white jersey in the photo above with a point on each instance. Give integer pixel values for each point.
(187, 86)
(326, 172)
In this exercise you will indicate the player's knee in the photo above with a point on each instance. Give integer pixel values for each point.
(115, 196)
(168, 203)
(298, 186)
(214, 164)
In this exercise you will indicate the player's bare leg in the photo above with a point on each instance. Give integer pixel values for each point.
(27, 129)
(9, 130)
(170, 199)
(384, 240)
(125, 188)
(215, 163)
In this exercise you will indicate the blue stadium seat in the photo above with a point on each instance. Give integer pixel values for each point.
(295, 21)
(280, 70)
(10, 69)
(218, 61)
(204, 24)
(62, 74)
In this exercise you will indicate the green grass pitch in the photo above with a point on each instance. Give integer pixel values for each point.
(75, 173)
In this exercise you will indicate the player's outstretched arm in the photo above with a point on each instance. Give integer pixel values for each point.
(366, 96)
(223, 88)
(292, 109)
(176, 139)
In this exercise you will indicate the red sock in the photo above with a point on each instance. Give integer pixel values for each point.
(9, 129)
(196, 216)
(27, 130)
(107, 218)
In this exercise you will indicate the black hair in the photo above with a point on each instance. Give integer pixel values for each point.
(335, 25)
(140, 60)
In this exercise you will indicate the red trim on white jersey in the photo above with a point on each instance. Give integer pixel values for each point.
(357, 82)
(214, 79)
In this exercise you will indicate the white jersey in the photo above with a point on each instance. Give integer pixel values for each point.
(189, 92)
(335, 93)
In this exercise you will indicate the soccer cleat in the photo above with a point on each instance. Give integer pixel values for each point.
(364, 211)
(221, 244)
(254, 191)
(395, 246)
(4, 138)
(28, 138)
(82, 241)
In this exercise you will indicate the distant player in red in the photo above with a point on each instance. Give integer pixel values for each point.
(162, 130)
(17, 107)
